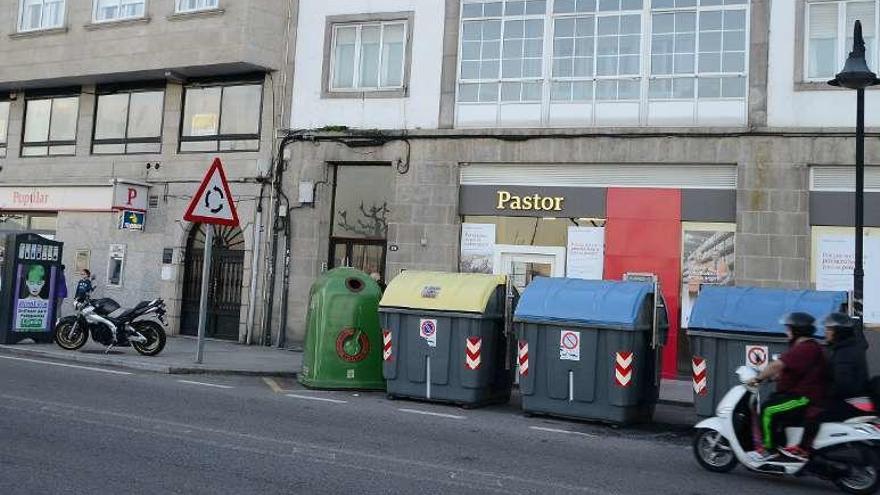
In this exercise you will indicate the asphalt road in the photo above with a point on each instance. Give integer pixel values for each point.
(80, 430)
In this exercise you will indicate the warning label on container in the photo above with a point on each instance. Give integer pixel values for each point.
(570, 345)
(428, 331)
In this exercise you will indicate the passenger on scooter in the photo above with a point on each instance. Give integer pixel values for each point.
(848, 366)
(801, 377)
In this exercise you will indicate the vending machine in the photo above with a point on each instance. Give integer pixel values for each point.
(30, 267)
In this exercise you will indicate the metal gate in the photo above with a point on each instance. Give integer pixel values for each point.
(224, 291)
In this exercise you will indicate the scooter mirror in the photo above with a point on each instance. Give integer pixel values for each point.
(746, 373)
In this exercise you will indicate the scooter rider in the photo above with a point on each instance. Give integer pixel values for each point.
(801, 377)
(848, 367)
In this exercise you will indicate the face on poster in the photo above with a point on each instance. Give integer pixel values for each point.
(34, 295)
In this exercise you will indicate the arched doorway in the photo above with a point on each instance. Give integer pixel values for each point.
(224, 291)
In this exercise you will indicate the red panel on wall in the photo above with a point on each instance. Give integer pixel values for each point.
(643, 234)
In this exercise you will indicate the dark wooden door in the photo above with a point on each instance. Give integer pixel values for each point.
(224, 291)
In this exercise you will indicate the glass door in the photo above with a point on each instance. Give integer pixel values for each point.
(366, 255)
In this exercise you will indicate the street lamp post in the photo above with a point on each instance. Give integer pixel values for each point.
(856, 75)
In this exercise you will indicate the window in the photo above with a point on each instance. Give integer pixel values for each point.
(50, 126)
(829, 28)
(555, 52)
(196, 5)
(368, 56)
(222, 118)
(4, 126)
(41, 14)
(129, 122)
(115, 10)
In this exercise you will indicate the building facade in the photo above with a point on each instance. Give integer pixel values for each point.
(690, 139)
(111, 113)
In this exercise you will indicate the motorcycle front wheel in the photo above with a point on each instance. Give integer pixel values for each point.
(155, 335)
(71, 335)
(713, 451)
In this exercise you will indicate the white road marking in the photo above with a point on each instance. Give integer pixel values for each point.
(51, 363)
(565, 432)
(429, 413)
(322, 399)
(190, 382)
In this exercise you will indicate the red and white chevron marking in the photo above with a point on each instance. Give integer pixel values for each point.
(623, 368)
(386, 345)
(701, 375)
(473, 358)
(523, 357)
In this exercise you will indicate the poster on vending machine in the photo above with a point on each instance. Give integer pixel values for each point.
(34, 294)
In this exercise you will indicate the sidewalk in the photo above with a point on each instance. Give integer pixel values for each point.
(178, 357)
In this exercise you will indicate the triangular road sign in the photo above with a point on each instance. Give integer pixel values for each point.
(213, 202)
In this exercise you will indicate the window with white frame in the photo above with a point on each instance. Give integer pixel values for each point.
(41, 14)
(116, 10)
(591, 51)
(183, 6)
(829, 28)
(368, 56)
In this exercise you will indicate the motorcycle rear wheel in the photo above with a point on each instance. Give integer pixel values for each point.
(863, 480)
(154, 334)
(713, 451)
(71, 335)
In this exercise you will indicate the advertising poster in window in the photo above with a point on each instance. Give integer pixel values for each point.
(204, 124)
(477, 247)
(834, 263)
(586, 253)
(707, 259)
(34, 292)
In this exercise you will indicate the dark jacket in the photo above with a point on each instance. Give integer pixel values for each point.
(849, 368)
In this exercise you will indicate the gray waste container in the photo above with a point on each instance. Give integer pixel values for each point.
(590, 349)
(734, 326)
(444, 338)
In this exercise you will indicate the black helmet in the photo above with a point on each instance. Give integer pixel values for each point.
(800, 323)
(839, 321)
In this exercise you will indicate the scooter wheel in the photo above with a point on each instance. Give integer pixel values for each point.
(713, 451)
(861, 480)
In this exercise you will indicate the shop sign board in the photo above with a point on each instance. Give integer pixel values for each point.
(586, 253)
(132, 197)
(132, 220)
(56, 198)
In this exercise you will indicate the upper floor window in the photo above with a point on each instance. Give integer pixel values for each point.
(115, 10)
(369, 56)
(129, 121)
(532, 57)
(196, 5)
(50, 126)
(4, 127)
(829, 29)
(41, 14)
(222, 118)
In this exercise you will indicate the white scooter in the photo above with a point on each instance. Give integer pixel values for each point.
(847, 453)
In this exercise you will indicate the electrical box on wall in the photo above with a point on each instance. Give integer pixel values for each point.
(306, 192)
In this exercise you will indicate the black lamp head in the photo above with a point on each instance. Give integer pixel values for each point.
(855, 73)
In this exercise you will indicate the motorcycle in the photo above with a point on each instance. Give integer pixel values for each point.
(113, 327)
(847, 453)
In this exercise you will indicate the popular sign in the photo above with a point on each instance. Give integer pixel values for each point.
(213, 202)
(756, 355)
(428, 331)
(570, 345)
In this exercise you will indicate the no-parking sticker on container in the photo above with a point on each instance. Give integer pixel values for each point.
(428, 331)
(570, 345)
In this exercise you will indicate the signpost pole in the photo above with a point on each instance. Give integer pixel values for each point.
(203, 298)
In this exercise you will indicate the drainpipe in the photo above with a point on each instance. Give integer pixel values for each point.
(285, 276)
(255, 268)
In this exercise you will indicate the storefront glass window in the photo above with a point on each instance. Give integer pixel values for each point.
(362, 201)
(533, 231)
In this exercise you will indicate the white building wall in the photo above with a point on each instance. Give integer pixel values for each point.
(789, 108)
(420, 109)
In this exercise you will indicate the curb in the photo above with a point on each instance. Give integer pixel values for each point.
(76, 357)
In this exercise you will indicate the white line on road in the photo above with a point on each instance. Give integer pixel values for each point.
(557, 430)
(322, 399)
(429, 413)
(204, 384)
(50, 363)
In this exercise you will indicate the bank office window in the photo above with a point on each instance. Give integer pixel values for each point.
(128, 121)
(222, 117)
(41, 14)
(829, 29)
(117, 10)
(368, 56)
(50, 125)
(21, 221)
(4, 126)
(548, 61)
(196, 5)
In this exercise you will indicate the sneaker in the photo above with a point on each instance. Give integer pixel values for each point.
(762, 455)
(795, 452)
